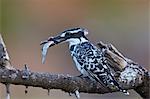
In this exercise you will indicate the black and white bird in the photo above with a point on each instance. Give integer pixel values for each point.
(88, 59)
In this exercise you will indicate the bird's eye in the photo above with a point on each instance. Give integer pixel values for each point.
(81, 33)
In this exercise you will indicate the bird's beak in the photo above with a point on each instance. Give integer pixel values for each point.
(49, 43)
(57, 39)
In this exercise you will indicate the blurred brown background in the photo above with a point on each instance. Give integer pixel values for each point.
(25, 23)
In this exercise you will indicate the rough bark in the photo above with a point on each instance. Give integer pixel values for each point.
(128, 73)
(50, 81)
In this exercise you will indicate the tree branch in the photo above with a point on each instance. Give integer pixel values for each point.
(129, 74)
(50, 81)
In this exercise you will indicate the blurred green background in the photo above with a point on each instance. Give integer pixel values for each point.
(25, 23)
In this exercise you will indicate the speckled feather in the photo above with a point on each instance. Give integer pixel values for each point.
(91, 62)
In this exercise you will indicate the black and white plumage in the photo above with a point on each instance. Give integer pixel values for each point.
(89, 60)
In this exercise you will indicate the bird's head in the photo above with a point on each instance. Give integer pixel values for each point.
(73, 36)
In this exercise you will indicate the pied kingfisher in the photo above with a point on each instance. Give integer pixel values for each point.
(89, 60)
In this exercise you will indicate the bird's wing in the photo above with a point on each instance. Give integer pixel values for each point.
(94, 57)
(96, 78)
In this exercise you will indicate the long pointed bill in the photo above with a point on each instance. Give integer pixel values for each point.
(49, 43)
